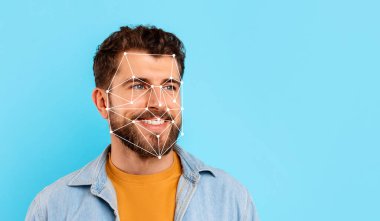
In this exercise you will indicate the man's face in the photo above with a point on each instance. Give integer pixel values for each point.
(144, 103)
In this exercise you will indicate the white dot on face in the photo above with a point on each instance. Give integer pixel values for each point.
(167, 109)
(107, 108)
(125, 53)
(152, 86)
(107, 91)
(172, 121)
(133, 121)
(131, 102)
(146, 108)
(159, 104)
(174, 101)
(159, 157)
(171, 77)
(173, 55)
(133, 76)
(111, 131)
(158, 136)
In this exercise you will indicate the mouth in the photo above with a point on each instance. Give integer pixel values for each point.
(155, 125)
(157, 121)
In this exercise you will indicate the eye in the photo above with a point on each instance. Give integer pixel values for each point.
(169, 87)
(138, 87)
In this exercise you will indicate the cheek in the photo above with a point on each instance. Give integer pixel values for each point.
(139, 103)
(176, 114)
(130, 110)
(115, 100)
(173, 101)
(120, 100)
(124, 110)
(179, 100)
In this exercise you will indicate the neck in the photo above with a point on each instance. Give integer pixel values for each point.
(130, 162)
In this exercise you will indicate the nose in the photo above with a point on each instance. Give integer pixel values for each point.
(156, 100)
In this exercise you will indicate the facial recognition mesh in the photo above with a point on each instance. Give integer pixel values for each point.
(146, 117)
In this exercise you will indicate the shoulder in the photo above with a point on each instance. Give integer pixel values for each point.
(73, 182)
(212, 179)
(50, 196)
(224, 192)
(62, 194)
(225, 184)
(58, 189)
(208, 174)
(224, 177)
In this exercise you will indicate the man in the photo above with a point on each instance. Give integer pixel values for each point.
(142, 174)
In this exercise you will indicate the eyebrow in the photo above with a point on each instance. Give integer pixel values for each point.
(171, 80)
(146, 81)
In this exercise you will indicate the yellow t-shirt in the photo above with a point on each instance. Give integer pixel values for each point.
(146, 197)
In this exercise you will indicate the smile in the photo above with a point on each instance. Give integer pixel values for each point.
(157, 121)
(154, 125)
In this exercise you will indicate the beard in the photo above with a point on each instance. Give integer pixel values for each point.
(148, 145)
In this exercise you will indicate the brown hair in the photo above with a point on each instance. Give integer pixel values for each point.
(148, 38)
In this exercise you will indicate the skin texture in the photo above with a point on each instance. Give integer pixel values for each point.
(155, 70)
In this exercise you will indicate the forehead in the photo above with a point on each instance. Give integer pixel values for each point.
(143, 65)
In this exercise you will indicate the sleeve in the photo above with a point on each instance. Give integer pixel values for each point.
(250, 211)
(34, 211)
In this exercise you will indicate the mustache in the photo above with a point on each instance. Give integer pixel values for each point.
(153, 114)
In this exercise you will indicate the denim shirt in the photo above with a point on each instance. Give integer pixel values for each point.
(203, 193)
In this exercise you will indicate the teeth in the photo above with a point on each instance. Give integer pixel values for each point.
(154, 122)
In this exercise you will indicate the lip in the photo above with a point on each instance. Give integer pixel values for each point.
(157, 129)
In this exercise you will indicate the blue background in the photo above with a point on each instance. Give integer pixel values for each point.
(283, 95)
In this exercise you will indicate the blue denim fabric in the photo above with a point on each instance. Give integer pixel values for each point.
(203, 193)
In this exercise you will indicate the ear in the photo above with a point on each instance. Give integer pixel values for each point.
(99, 97)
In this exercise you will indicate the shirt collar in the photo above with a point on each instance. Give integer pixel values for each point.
(94, 173)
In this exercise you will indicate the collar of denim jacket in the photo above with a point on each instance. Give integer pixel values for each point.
(94, 173)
